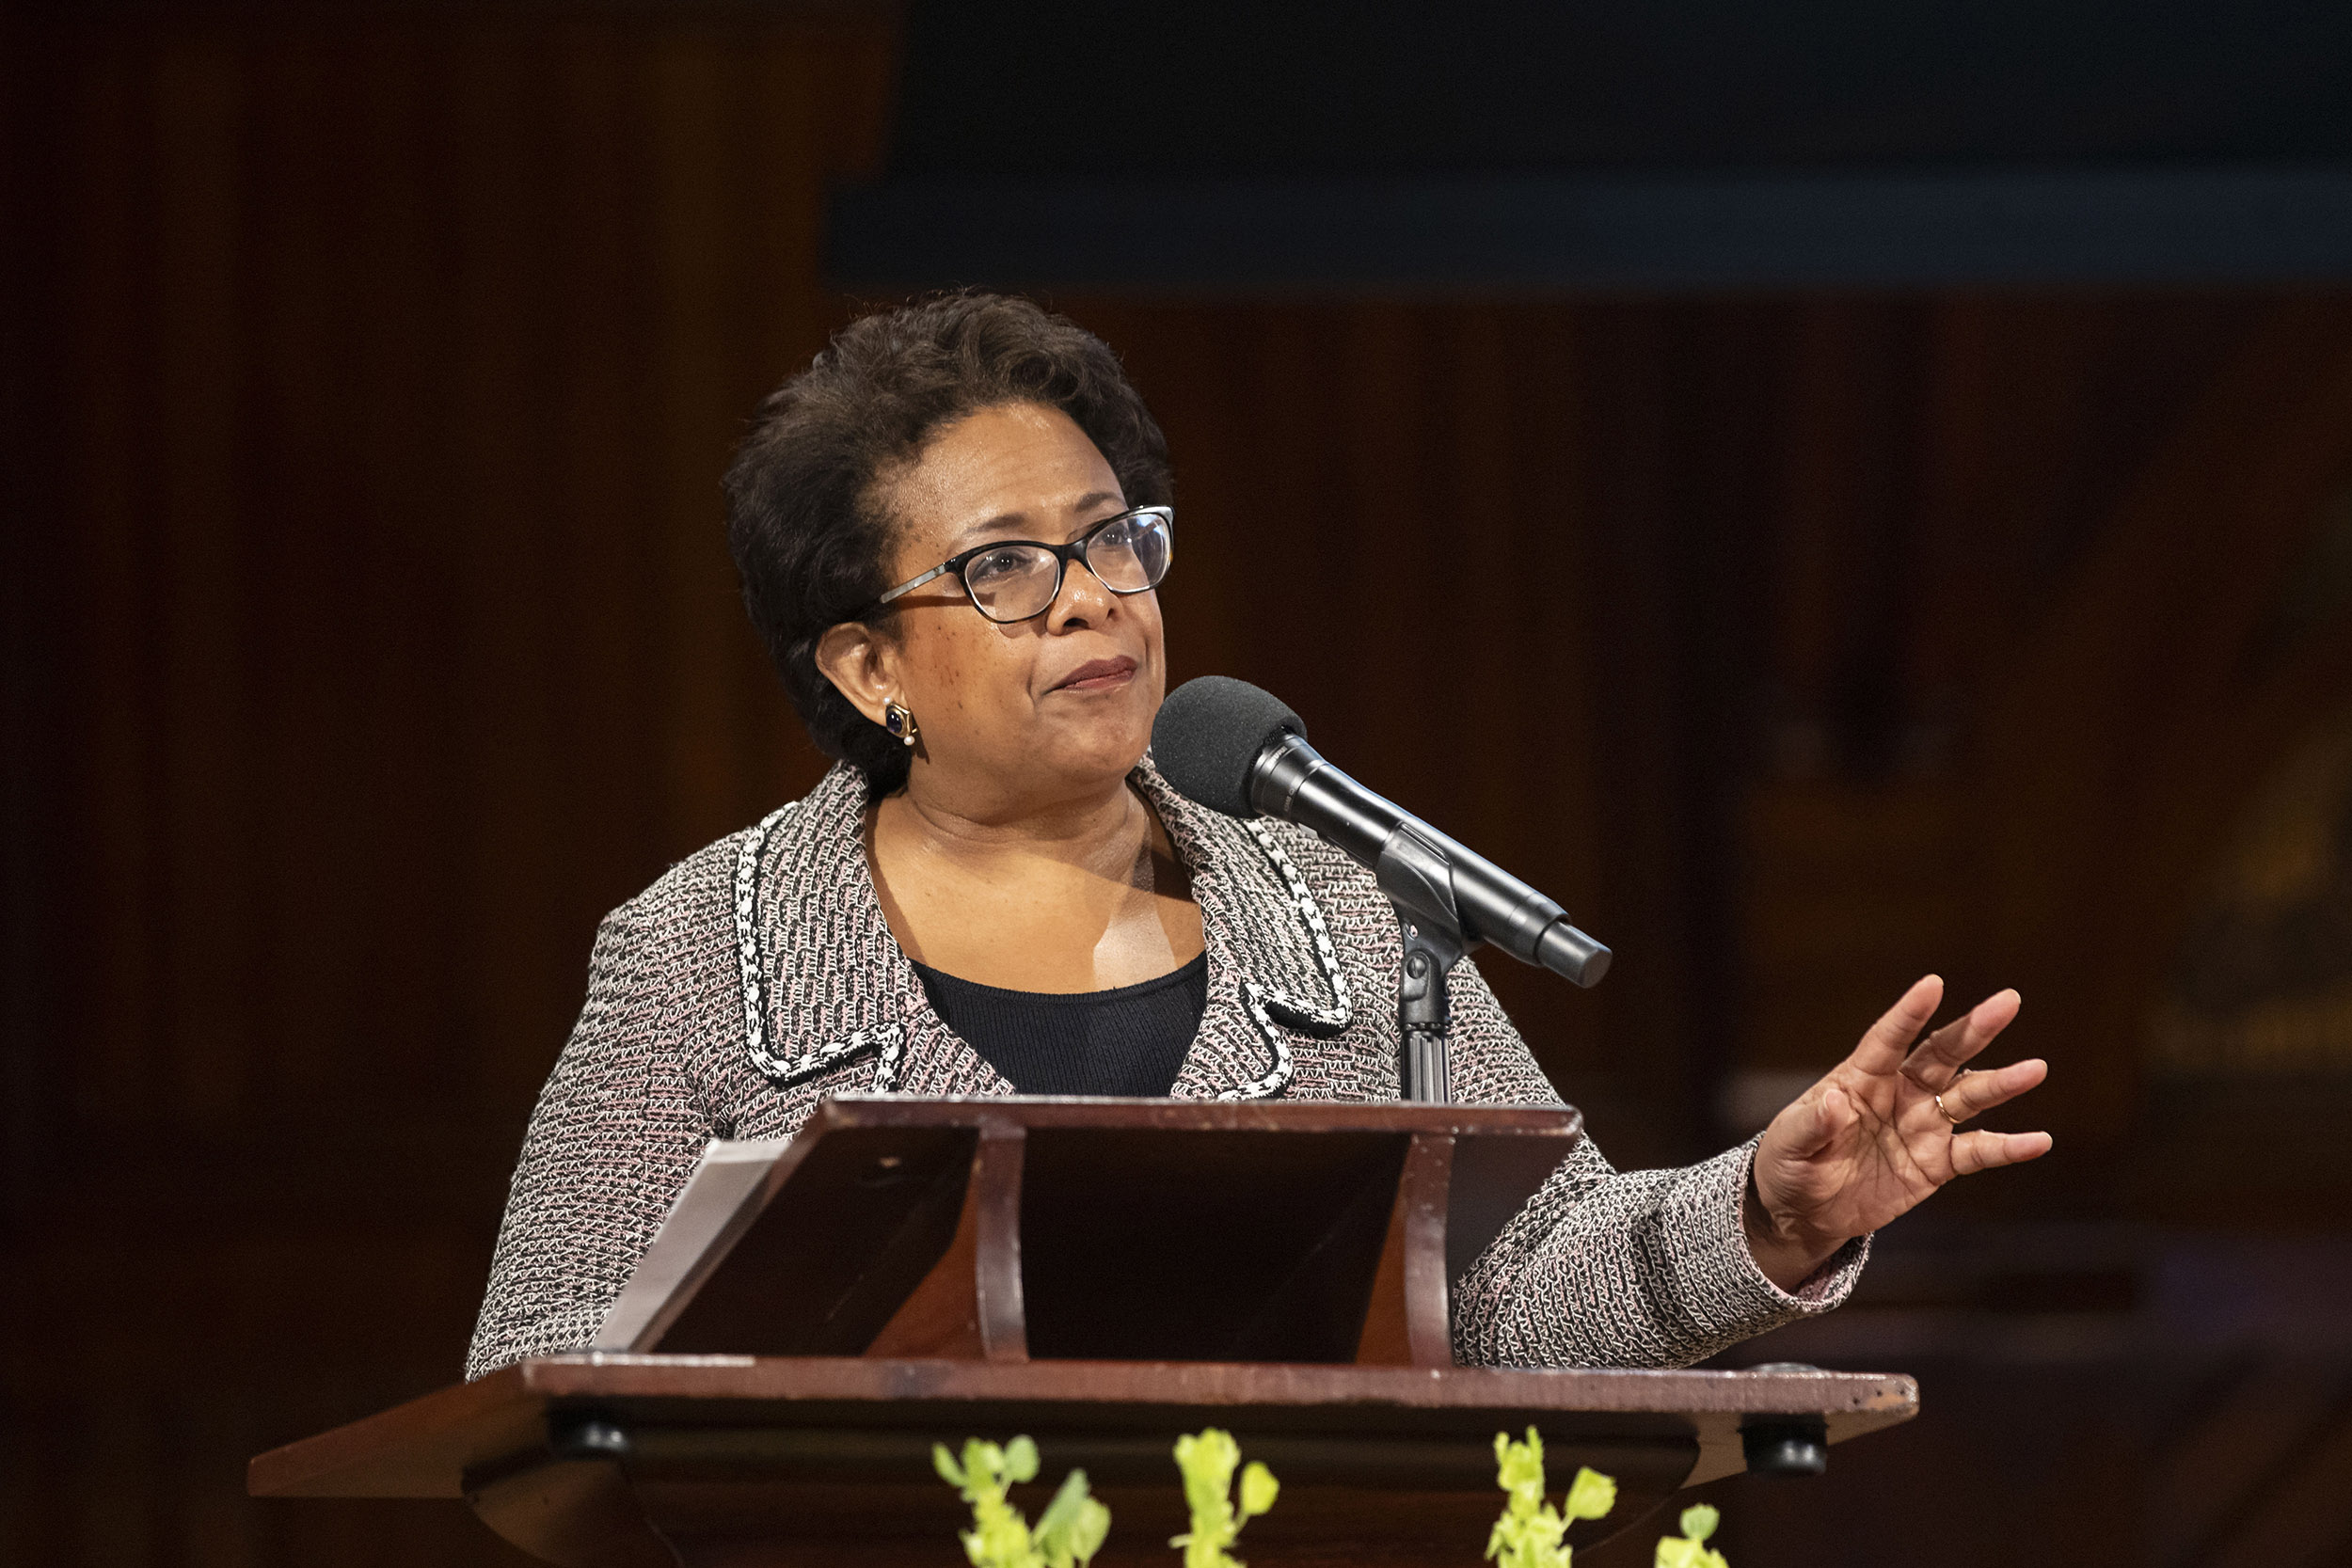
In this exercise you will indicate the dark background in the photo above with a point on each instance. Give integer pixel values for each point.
(369, 632)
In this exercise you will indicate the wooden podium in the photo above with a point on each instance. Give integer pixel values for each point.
(1101, 1276)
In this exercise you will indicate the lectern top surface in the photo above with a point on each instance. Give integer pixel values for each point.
(424, 1447)
(1290, 1115)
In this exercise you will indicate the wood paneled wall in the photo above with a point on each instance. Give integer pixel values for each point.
(382, 635)
(371, 632)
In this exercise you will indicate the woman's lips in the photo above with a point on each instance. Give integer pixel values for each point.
(1099, 675)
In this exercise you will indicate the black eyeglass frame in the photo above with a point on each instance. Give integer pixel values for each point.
(1063, 555)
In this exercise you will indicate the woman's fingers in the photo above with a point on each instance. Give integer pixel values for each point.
(1882, 1047)
(1974, 1092)
(1941, 1055)
(1975, 1151)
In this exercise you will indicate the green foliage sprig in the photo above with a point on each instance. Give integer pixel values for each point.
(1206, 1460)
(1070, 1531)
(1529, 1534)
(1689, 1549)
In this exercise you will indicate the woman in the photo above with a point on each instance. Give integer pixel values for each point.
(950, 528)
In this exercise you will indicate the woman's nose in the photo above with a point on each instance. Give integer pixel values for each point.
(1083, 599)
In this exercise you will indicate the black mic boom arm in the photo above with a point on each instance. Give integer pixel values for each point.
(1488, 903)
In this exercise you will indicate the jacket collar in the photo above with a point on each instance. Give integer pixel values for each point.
(828, 990)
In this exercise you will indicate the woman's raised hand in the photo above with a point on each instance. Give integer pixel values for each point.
(1869, 1140)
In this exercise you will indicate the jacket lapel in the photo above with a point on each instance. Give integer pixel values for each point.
(844, 1007)
(1273, 971)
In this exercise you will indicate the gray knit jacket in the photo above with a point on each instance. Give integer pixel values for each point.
(758, 976)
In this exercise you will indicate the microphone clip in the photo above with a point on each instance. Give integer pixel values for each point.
(1418, 878)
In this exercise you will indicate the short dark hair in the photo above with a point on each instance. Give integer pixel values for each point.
(806, 517)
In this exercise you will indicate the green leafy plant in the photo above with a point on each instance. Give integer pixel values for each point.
(1206, 1460)
(1070, 1531)
(1689, 1549)
(1529, 1533)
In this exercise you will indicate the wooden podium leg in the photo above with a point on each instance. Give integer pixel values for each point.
(1407, 1324)
(969, 1307)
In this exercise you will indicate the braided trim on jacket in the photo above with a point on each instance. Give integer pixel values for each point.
(886, 1062)
(1256, 996)
(888, 1038)
(1263, 1001)
(1306, 1015)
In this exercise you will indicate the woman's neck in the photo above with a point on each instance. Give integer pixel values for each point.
(1079, 894)
(1100, 830)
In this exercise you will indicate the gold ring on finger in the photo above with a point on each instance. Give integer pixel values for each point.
(1954, 1083)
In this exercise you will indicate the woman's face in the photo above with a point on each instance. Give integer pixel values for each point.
(1049, 707)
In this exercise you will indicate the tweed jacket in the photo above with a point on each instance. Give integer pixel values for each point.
(759, 974)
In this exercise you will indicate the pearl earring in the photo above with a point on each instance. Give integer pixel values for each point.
(899, 722)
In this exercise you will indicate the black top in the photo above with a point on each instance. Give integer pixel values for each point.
(1129, 1041)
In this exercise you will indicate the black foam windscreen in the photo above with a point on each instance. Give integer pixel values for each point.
(1210, 732)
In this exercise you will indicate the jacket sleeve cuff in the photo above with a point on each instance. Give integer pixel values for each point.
(1725, 1286)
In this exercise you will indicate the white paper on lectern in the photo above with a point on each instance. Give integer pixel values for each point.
(728, 1172)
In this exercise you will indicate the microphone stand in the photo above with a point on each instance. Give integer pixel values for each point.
(1419, 879)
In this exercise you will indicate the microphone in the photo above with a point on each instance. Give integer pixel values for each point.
(1237, 749)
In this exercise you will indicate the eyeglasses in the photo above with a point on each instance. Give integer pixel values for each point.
(1013, 580)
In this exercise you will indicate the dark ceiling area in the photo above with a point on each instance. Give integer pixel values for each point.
(1160, 89)
(1699, 144)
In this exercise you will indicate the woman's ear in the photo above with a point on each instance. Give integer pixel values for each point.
(855, 659)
